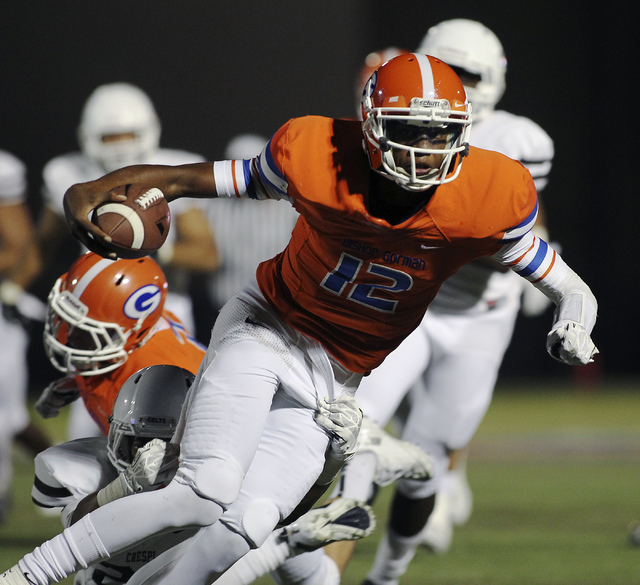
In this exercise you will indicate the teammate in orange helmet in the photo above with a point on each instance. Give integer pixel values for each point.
(106, 320)
(379, 230)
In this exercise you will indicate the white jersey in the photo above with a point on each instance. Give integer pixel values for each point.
(478, 287)
(247, 232)
(64, 475)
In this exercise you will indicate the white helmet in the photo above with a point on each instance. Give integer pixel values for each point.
(119, 108)
(147, 407)
(469, 47)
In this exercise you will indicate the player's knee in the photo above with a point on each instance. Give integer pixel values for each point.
(183, 506)
(219, 480)
(259, 520)
(419, 489)
(256, 522)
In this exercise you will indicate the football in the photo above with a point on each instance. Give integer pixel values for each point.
(137, 226)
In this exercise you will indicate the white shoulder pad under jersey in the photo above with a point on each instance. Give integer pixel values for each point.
(68, 472)
(13, 179)
(519, 138)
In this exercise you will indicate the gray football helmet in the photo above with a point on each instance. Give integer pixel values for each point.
(148, 406)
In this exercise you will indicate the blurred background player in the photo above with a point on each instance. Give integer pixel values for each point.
(118, 127)
(18, 263)
(450, 364)
(477, 56)
(106, 320)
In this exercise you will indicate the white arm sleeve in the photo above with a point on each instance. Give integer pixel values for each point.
(576, 311)
(255, 178)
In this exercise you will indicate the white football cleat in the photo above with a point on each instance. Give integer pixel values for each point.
(396, 459)
(342, 519)
(14, 576)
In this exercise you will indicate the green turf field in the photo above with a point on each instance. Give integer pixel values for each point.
(556, 479)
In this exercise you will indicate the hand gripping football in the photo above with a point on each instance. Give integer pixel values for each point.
(139, 225)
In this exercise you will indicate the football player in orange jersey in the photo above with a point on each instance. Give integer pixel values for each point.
(380, 229)
(106, 320)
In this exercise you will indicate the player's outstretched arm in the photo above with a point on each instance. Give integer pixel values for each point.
(569, 340)
(193, 180)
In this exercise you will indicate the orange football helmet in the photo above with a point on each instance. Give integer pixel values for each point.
(102, 310)
(412, 97)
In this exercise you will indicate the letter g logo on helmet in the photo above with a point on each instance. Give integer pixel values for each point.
(143, 302)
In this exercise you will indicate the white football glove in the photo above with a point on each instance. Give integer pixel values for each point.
(153, 467)
(56, 396)
(569, 343)
(341, 420)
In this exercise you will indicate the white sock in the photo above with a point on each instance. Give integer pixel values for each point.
(64, 554)
(392, 558)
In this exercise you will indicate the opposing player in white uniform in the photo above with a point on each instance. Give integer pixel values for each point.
(84, 474)
(450, 363)
(118, 127)
(478, 57)
(17, 258)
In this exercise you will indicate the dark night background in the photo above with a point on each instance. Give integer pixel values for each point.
(216, 69)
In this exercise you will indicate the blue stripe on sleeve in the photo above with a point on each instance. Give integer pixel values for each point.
(537, 260)
(272, 163)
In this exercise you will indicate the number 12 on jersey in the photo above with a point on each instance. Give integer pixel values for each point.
(346, 272)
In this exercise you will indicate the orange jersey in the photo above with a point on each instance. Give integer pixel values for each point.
(354, 282)
(170, 345)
